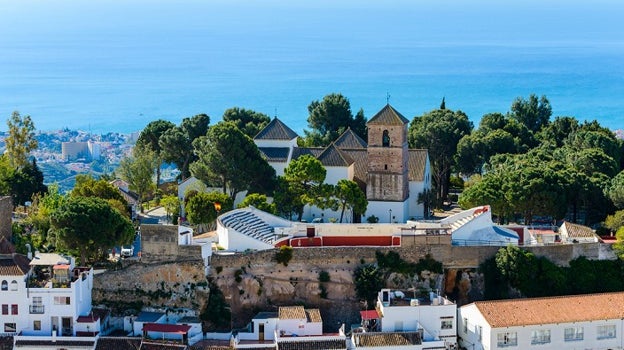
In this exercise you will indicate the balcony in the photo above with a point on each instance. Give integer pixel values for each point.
(37, 309)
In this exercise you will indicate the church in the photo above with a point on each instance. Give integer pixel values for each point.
(391, 174)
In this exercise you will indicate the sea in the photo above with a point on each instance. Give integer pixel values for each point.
(114, 66)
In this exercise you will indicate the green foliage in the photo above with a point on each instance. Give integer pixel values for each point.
(618, 247)
(258, 201)
(350, 196)
(323, 291)
(368, 280)
(428, 263)
(284, 254)
(21, 140)
(150, 138)
(87, 186)
(200, 206)
(329, 118)
(439, 131)
(230, 159)
(216, 312)
(615, 191)
(302, 182)
(534, 276)
(238, 275)
(25, 182)
(171, 205)
(533, 113)
(138, 172)
(372, 219)
(90, 225)
(323, 276)
(177, 143)
(248, 121)
(616, 221)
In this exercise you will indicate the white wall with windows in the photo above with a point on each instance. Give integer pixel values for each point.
(474, 332)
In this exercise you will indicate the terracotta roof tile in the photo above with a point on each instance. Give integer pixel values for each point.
(578, 231)
(388, 116)
(334, 344)
(314, 315)
(416, 164)
(349, 139)
(276, 130)
(360, 168)
(564, 309)
(59, 343)
(118, 343)
(154, 345)
(378, 339)
(291, 313)
(14, 265)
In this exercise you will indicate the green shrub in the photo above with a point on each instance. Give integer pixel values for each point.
(284, 255)
(238, 275)
(323, 276)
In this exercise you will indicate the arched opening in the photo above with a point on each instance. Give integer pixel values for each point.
(385, 140)
(14, 285)
(5, 285)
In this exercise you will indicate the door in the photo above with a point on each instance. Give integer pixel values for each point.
(67, 330)
(261, 332)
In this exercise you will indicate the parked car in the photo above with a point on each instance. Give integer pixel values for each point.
(127, 251)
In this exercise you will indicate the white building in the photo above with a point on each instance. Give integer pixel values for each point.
(46, 299)
(292, 327)
(409, 323)
(592, 321)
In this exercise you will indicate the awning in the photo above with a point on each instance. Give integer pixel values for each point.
(369, 315)
(166, 328)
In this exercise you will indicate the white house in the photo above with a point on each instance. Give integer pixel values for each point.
(409, 323)
(292, 327)
(592, 321)
(46, 302)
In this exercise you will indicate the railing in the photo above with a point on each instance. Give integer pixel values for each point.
(37, 309)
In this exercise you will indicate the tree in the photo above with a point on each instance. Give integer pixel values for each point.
(304, 176)
(350, 196)
(171, 205)
(21, 139)
(534, 113)
(177, 143)
(90, 224)
(200, 207)
(87, 186)
(248, 121)
(439, 131)
(615, 191)
(258, 201)
(26, 182)
(231, 159)
(150, 138)
(329, 118)
(138, 172)
(368, 282)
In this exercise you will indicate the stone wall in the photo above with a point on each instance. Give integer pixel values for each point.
(180, 284)
(159, 243)
(6, 215)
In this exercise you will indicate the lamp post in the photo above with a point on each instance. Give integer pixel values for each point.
(217, 207)
(390, 215)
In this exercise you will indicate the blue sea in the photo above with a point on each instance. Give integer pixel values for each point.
(117, 65)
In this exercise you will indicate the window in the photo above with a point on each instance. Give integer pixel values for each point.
(385, 141)
(37, 325)
(5, 309)
(573, 333)
(14, 309)
(479, 331)
(541, 336)
(446, 324)
(606, 331)
(10, 328)
(14, 285)
(61, 301)
(465, 325)
(507, 339)
(5, 285)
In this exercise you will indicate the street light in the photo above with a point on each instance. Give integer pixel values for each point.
(217, 207)
(390, 215)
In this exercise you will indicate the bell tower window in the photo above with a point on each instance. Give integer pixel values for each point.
(385, 140)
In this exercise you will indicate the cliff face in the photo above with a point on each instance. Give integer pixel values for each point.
(174, 284)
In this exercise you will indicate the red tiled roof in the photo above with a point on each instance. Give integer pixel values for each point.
(563, 309)
(14, 265)
(90, 318)
(166, 328)
(369, 314)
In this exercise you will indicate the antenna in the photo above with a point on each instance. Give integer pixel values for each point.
(275, 110)
(387, 98)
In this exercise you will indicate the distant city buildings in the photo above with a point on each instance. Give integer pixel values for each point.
(71, 151)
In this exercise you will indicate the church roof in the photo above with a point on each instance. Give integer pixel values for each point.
(416, 164)
(276, 130)
(275, 154)
(332, 156)
(388, 116)
(360, 168)
(350, 139)
(301, 151)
